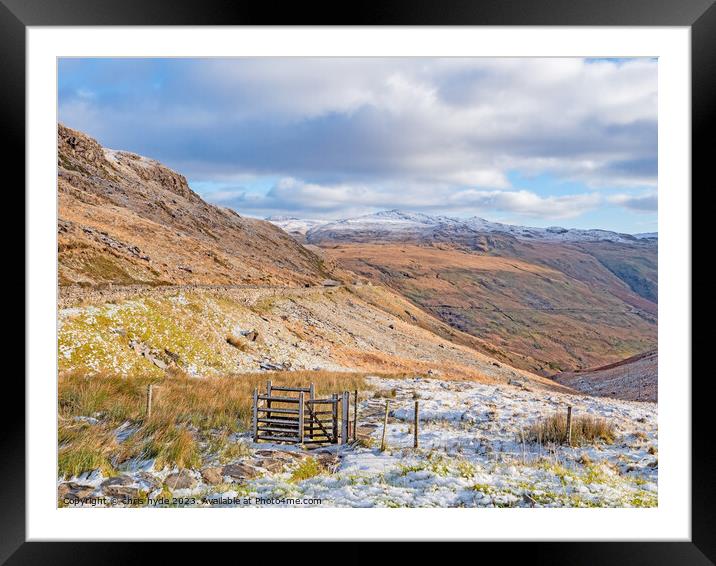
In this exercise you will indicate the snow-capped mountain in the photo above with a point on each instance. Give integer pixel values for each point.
(397, 224)
(295, 226)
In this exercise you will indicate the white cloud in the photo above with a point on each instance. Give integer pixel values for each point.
(290, 195)
(412, 132)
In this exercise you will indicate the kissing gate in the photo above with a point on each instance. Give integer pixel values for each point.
(293, 414)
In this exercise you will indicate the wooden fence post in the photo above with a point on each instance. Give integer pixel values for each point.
(345, 418)
(300, 417)
(256, 414)
(415, 430)
(385, 425)
(355, 414)
(149, 401)
(569, 425)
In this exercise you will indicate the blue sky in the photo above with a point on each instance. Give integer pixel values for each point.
(534, 141)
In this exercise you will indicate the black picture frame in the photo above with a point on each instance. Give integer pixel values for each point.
(699, 15)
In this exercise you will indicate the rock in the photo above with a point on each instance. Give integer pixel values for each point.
(240, 472)
(391, 326)
(250, 335)
(88, 420)
(172, 356)
(331, 283)
(116, 481)
(121, 491)
(150, 481)
(180, 480)
(273, 465)
(329, 462)
(212, 476)
(270, 366)
(161, 364)
(74, 491)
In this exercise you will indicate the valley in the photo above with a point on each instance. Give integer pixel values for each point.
(487, 325)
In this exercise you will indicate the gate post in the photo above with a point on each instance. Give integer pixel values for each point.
(256, 414)
(268, 401)
(311, 396)
(345, 419)
(300, 417)
(334, 413)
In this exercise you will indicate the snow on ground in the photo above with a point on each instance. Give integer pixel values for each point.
(470, 455)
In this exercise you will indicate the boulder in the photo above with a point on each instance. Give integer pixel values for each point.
(240, 471)
(273, 465)
(180, 480)
(121, 491)
(212, 476)
(74, 491)
(117, 481)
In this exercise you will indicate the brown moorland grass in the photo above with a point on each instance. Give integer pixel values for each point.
(586, 429)
(190, 416)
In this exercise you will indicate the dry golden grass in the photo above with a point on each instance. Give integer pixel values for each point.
(187, 413)
(586, 429)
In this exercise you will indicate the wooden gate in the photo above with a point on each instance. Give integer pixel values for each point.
(294, 414)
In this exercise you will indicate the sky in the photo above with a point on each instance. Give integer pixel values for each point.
(535, 141)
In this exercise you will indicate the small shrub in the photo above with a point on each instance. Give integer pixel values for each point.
(307, 469)
(586, 429)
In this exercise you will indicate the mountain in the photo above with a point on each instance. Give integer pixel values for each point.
(395, 225)
(297, 227)
(155, 282)
(124, 218)
(541, 299)
(633, 379)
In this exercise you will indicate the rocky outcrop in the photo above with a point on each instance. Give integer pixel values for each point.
(126, 219)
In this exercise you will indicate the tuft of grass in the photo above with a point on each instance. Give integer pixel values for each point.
(174, 447)
(385, 394)
(84, 449)
(307, 469)
(586, 429)
(465, 469)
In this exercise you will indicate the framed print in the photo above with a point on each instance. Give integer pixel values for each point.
(424, 275)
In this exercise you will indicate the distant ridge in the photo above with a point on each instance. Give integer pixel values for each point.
(397, 223)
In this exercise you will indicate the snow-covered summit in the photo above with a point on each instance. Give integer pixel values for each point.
(397, 223)
(295, 225)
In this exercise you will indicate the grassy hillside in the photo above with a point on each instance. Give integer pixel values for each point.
(539, 315)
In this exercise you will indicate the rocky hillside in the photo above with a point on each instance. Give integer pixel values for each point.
(202, 332)
(127, 219)
(633, 379)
